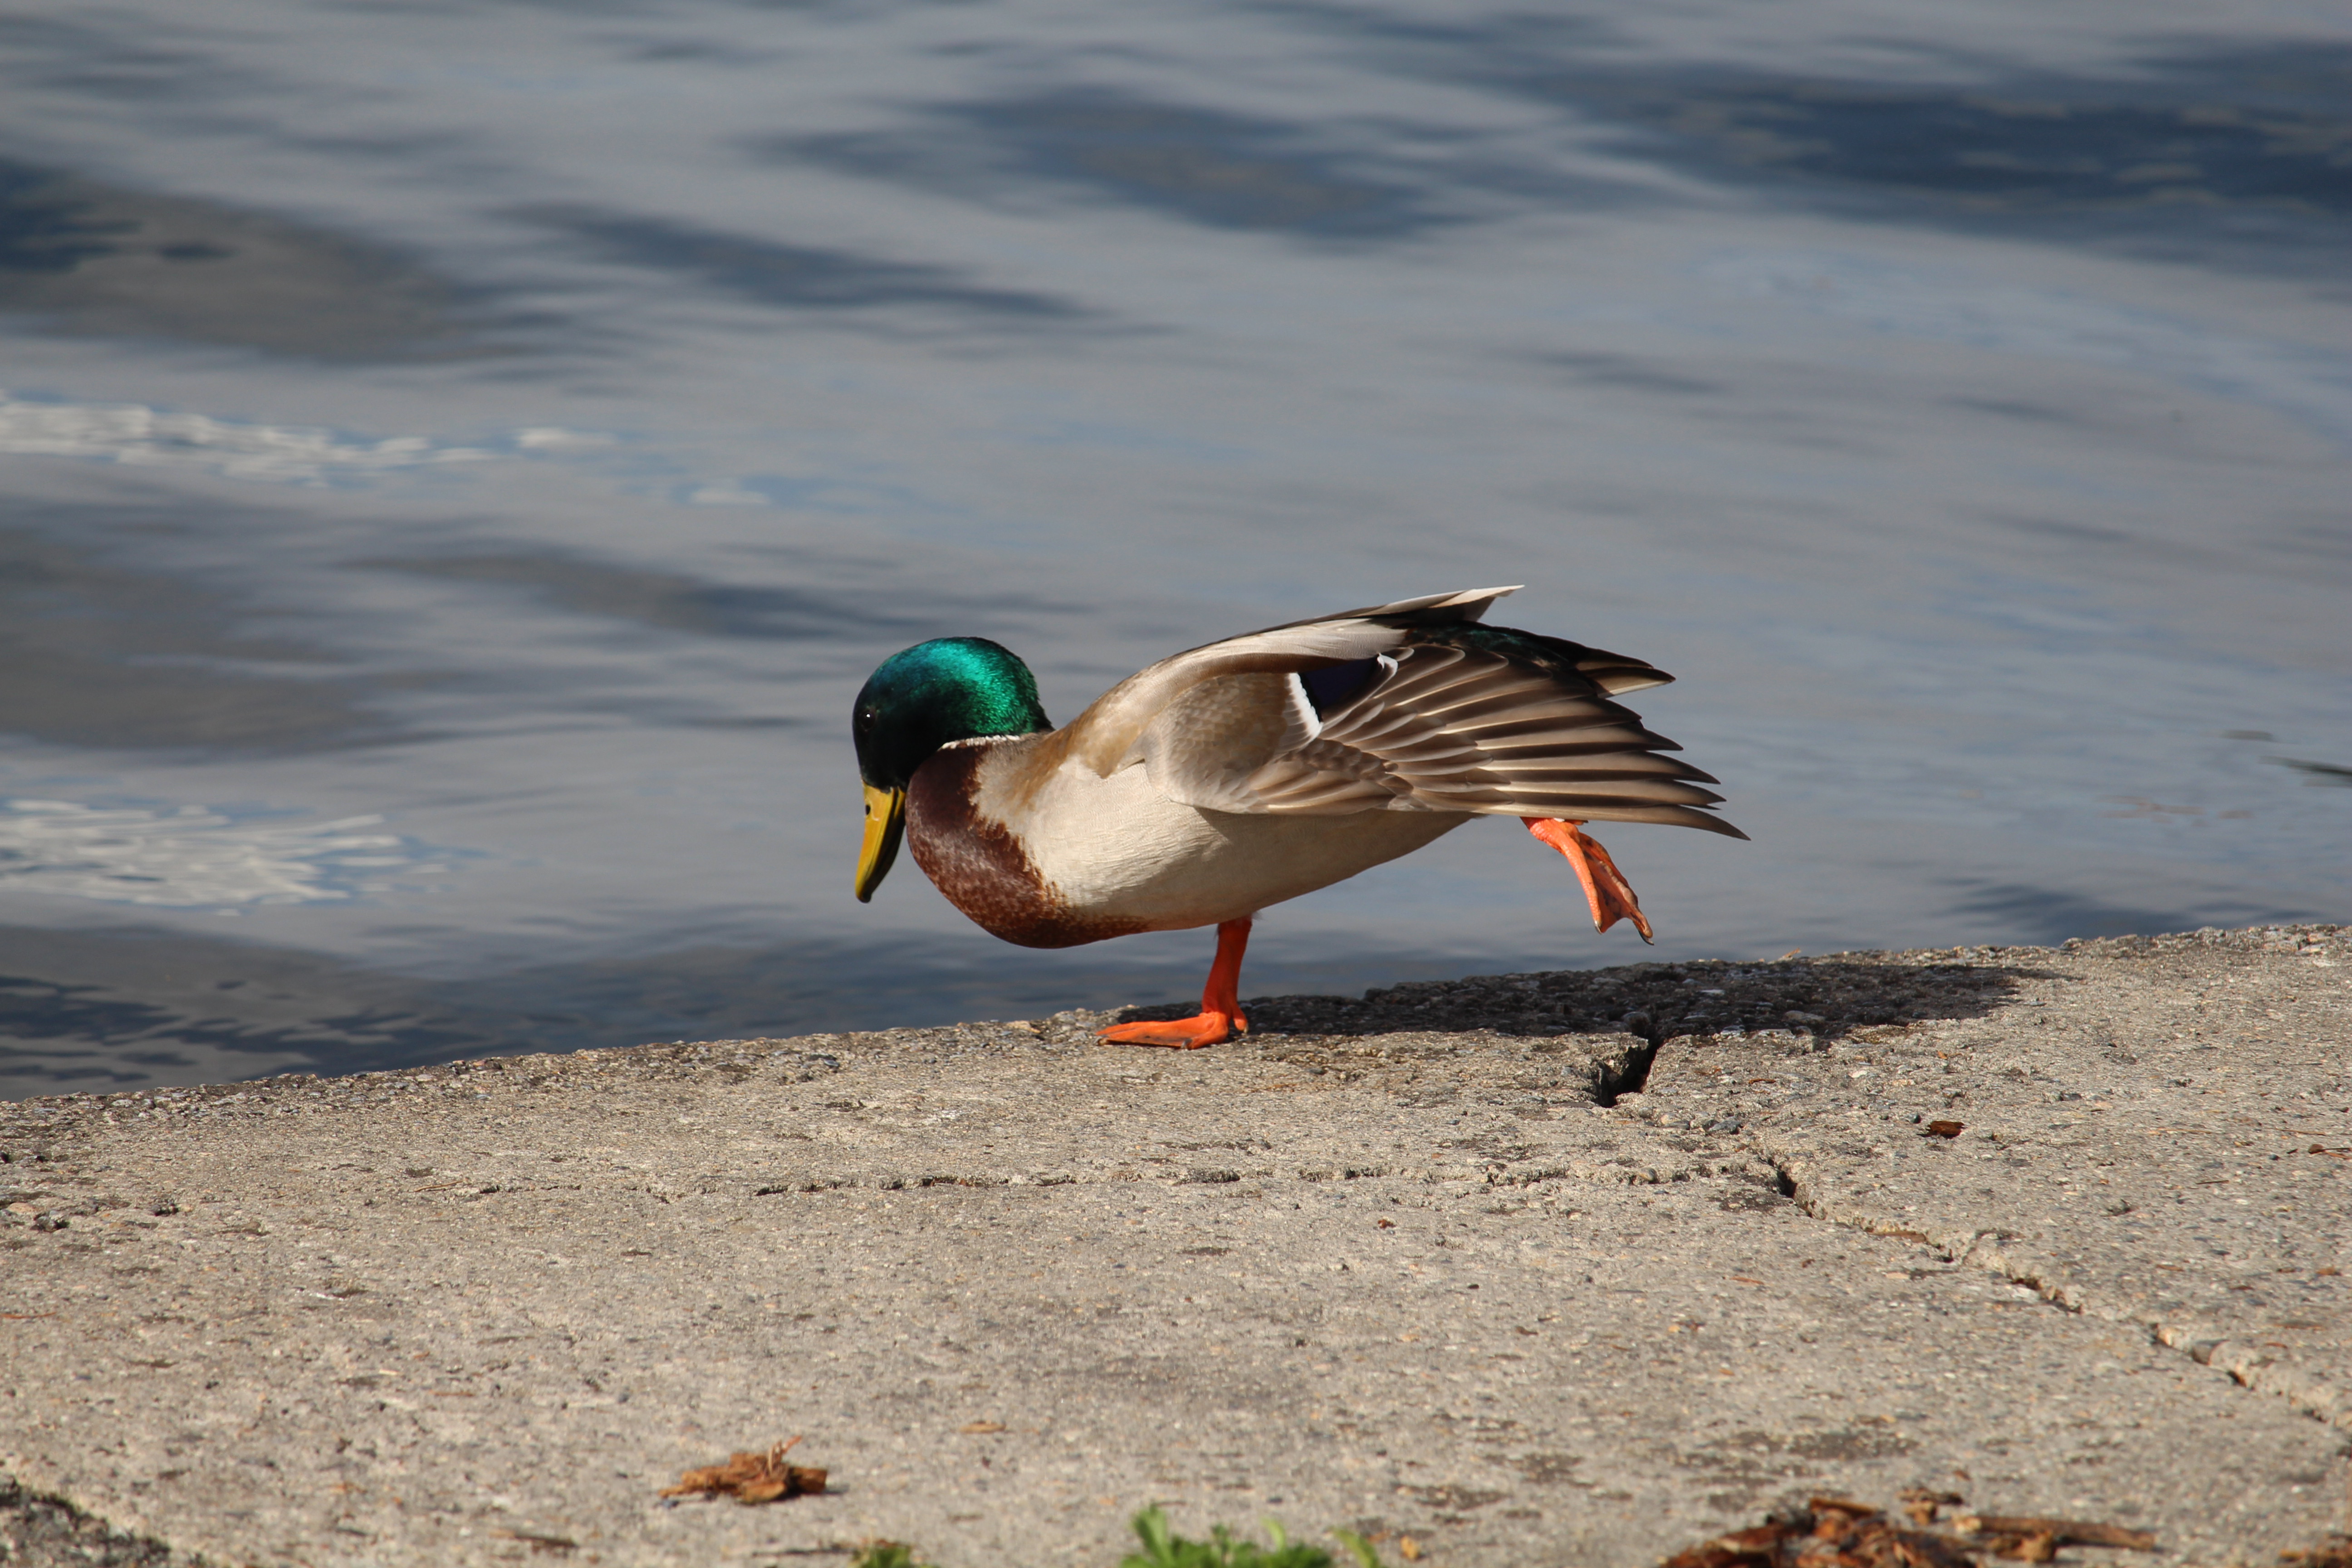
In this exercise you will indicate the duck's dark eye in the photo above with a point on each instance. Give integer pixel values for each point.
(862, 720)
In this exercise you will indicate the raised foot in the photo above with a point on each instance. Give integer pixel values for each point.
(1177, 1033)
(1605, 888)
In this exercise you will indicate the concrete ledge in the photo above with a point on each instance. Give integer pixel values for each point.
(1554, 1269)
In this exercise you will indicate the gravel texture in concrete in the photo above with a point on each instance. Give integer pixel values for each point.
(1480, 1264)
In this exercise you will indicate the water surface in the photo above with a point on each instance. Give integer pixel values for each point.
(460, 462)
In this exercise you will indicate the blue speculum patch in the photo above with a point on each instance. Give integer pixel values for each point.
(1331, 688)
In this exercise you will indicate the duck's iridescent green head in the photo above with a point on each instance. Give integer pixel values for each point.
(949, 688)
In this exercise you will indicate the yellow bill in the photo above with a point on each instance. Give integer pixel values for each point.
(886, 821)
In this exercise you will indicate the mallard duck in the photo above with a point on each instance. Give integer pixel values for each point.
(1217, 782)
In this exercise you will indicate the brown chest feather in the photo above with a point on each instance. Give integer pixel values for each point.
(981, 868)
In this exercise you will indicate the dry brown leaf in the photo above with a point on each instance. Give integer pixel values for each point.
(981, 1428)
(1920, 1504)
(2337, 1553)
(2019, 1537)
(1837, 1532)
(750, 1478)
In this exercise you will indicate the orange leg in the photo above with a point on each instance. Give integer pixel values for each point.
(1221, 1004)
(1605, 888)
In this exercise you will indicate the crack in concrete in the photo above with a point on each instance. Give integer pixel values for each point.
(2247, 1365)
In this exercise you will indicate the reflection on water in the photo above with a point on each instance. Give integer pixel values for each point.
(88, 258)
(2326, 776)
(1227, 170)
(2042, 155)
(100, 650)
(135, 436)
(2221, 156)
(192, 854)
(795, 277)
(460, 467)
(667, 600)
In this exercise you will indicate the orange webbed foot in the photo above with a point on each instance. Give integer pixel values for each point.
(1177, 1033)
(1220, 1017)
(1605, 888)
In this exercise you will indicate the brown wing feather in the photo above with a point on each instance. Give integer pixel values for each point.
(1522, 728)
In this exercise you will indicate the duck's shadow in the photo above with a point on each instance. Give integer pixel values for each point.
(1829, 998)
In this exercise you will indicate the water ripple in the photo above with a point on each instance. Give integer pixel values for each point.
(191, 855)
(136, 435)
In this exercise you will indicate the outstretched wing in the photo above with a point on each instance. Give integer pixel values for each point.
(1105, 736)
(1487, 718)
(1430, 713)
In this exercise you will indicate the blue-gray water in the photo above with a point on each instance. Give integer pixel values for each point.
(460, 461)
